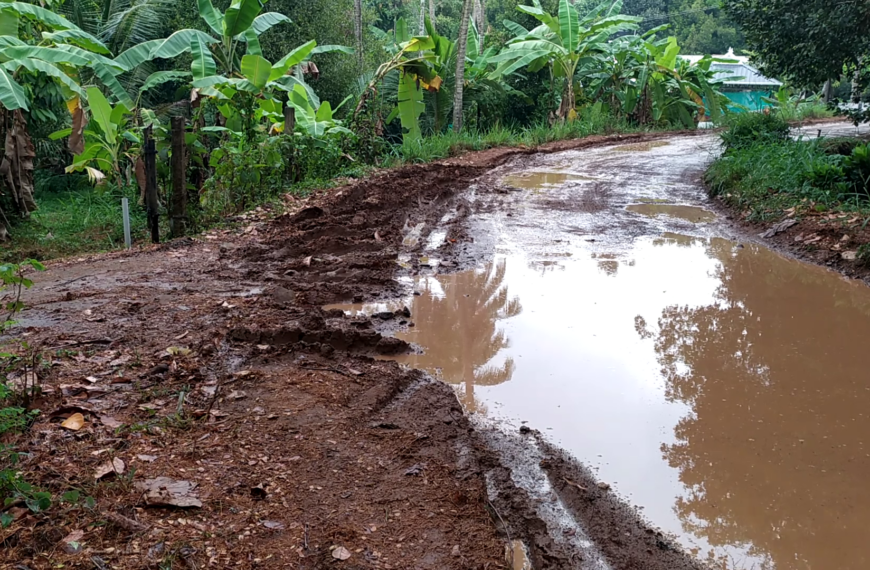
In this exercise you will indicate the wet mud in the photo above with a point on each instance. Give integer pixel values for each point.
(211, 361)
(584, 344)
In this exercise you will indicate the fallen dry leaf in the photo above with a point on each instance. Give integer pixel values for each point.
(307, 261)
(341, 553)
(72, 542)
(110, 422)
(147, 458)
(178, 351)
(163, 491)
(121, 360)
(75, 422)
(114, 467)
(849, 255)
(237, 395)
(273, 525)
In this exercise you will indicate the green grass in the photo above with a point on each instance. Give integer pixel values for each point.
(805, 112)
(765, 180)
(73, 221)
(445, 145)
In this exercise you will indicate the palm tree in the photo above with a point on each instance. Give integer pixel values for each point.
(460, 65)
(120, 24)
(358, 31)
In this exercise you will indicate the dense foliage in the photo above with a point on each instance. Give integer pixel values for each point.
(807, 41)
(367, 83)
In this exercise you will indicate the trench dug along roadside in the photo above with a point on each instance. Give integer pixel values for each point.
(222, 418)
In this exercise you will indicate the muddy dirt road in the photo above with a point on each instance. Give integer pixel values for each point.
(659, 358)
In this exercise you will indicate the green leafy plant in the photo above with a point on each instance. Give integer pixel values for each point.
(561, 43)
(15, 419)
(747, 129)
(105, 140)
(410, 61)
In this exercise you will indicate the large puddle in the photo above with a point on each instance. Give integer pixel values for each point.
(721, 387)
(716, 384)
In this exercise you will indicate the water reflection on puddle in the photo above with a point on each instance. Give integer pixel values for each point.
(538, 180)
(722, 388)
(692, 214)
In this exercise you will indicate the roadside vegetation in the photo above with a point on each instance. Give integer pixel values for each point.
(85, 82)
(766, 174)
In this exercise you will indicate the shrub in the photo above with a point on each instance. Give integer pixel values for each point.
(747, 129)
(248, 173)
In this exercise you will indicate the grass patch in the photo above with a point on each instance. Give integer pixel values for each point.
(767, 178)
(73, 221)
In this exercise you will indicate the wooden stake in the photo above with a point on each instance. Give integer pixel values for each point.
(289, 120)
(151, 201)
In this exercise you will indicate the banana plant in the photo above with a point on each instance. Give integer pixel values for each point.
(561, 43)
(55, 48)
(238, 28)
(62, 49)
(412, 59)
(107, 141)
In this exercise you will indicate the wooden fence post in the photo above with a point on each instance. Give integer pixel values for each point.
(178, 201)
(151, 202)
(289, 120)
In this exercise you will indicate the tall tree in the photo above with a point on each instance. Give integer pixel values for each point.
(358, 30)
(807, 41)
(460, 65)
(480, 17)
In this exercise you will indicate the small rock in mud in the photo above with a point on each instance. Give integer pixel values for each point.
(603, 486)
(404, 312)
(384, 316)
(525, 430)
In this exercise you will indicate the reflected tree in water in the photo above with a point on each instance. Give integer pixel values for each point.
(774, 452)
(459, 331)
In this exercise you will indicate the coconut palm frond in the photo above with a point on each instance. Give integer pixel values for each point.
(83, 13)
(132, 22)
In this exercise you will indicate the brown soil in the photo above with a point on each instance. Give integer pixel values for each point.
(211, 361)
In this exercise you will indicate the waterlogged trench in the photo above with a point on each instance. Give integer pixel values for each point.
(719, 386)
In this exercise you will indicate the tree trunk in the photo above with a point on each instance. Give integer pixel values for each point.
(422, 31)
(432, 11)
(460, 66)
(358, 31)
(828, 91)
(16, 168)
(480, 19)
(567, 104)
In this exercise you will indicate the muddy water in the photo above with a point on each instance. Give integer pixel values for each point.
(717, 385)
(688, 213)
(538, 180)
